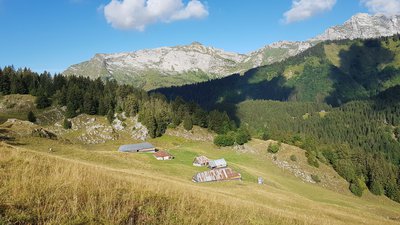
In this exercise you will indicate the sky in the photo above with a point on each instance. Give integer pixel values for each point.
(54, 34)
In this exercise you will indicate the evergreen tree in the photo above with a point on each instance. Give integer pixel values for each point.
(31, 117)
(151, 124)
(42, 101)
(223, 140)
(176, 120)
(5, 82)
(187, 122)
(90, 104)
(110, 116)
(200, 117)
(71, 111)
(242, 136)
(355, 188)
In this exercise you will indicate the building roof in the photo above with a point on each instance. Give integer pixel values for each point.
(217, 175)
(201, 160)
(217, 163)
(135, 147)
(162, 154)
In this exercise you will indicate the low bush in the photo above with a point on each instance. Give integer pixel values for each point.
(273, 148)
(67, 124)
(315, 178)
(355, 188)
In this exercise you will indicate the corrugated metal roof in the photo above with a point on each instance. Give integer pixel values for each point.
(217, 175)
(135, 147)
(217, 163)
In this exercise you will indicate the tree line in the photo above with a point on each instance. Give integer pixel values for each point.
(95, 97)
(360, 140)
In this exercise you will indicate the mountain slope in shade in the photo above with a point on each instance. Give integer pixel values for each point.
(180, 65)
(333, 72)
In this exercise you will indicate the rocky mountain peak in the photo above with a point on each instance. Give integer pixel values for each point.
(195, 62)
(196, 43)
(363, 26)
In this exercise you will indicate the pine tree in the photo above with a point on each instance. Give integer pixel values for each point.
(89, 104)
(151, 124)
(31, 117)
(42, 102)
(188, 123)
(5, 84)
(71, 112)
(110, 116)
(242, 136)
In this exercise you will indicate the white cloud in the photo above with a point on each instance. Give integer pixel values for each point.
(304, 9)
(386, 7)
(137, 14)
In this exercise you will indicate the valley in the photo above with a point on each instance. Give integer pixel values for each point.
(91, 182)
(302, 132)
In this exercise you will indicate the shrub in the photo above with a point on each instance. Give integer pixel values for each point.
(376, 188)
(312, 160)
(315, 178)
(345, 169)
(330, 156)
(264, 135)
(321, 157)
(242, 136)
(224, 140)
(356, 189)
(67, 124)
(31, 117)
(293, 158)
(273, 148)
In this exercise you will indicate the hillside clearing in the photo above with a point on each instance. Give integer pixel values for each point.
(106, 186)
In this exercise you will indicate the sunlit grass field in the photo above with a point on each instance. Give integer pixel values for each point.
(95, 184)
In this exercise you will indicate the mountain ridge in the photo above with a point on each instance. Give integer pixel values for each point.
(186, 64)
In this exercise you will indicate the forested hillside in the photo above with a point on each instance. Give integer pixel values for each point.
(359, 139)
(339, 100)
(83, 95)
(334, 72)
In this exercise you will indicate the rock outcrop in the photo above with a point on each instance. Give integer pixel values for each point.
(179, 65)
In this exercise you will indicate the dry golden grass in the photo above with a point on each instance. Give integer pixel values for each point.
(92, 185)
(38, 189)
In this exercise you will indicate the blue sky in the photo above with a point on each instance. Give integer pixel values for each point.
(53, 34)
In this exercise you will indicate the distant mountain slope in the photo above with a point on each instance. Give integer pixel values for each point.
(179, 65)
(363, 26)
(163, 66)
(334, 72)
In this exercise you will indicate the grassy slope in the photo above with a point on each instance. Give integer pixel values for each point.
(332, 72)
(17, 106)
(101, 171)
(11, 107)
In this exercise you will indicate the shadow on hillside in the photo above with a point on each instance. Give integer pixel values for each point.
(224, 94)
(359, 76)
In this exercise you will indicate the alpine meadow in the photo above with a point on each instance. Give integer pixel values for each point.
(295, 132)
